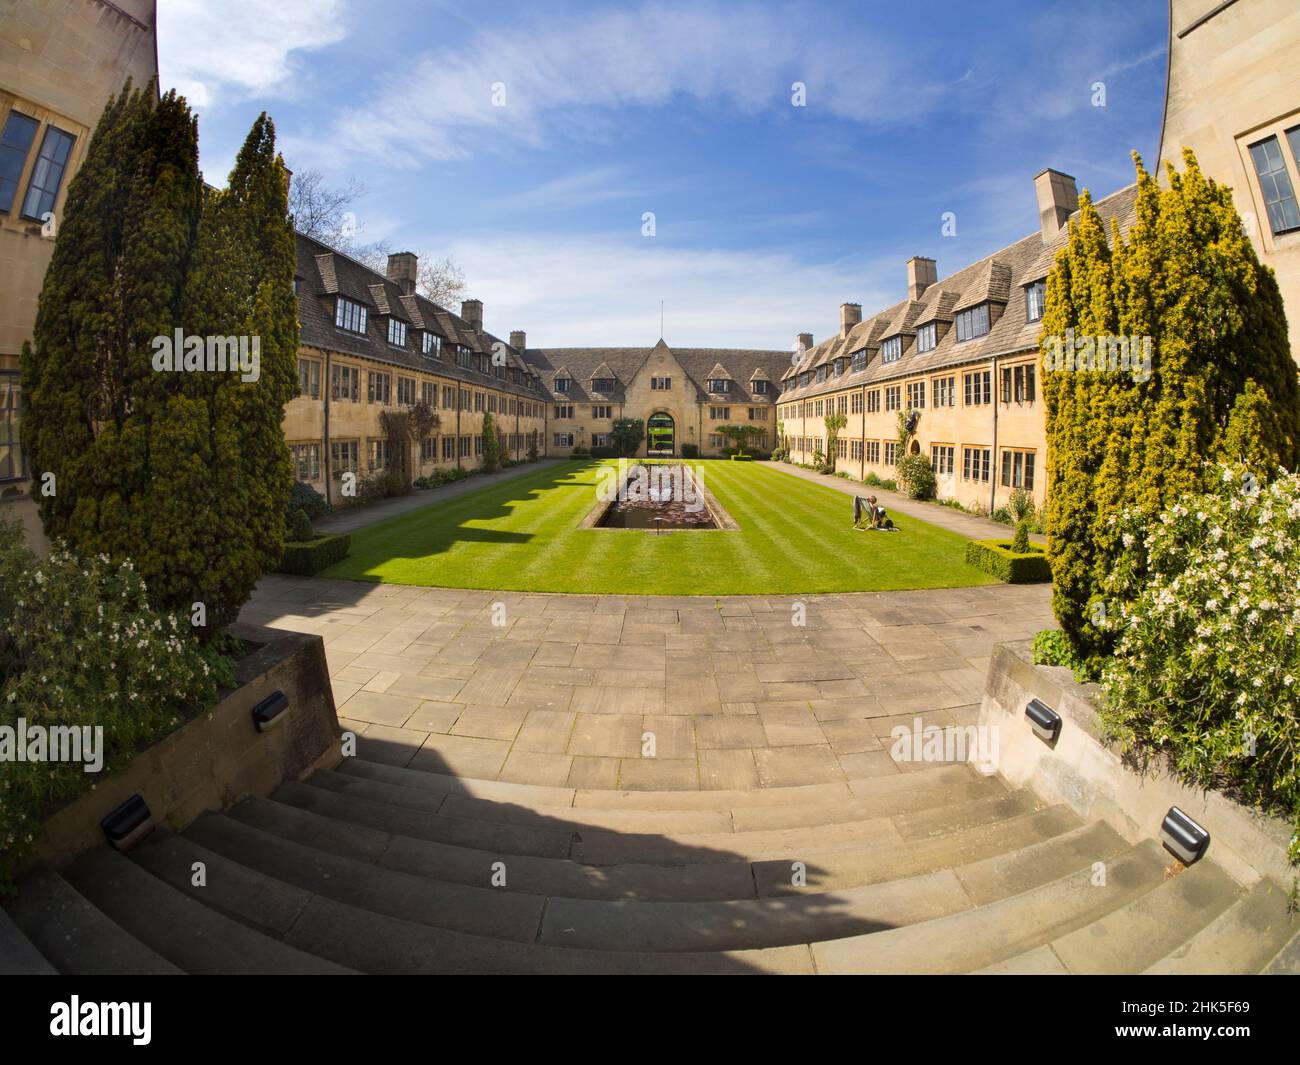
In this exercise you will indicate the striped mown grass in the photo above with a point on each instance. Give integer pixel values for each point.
(523, 535)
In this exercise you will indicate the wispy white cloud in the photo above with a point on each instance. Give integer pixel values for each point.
(236, 49)
(590, 290)
(566, 76)
(578, 190)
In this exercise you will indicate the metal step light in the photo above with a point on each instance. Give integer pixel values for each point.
(1183, 837)
(270, 711)
(128, 824)
(1045, 721)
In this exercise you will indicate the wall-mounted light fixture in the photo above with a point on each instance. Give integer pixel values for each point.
(1045, 721)
(1183, 837)
(270, 711)
(128, 824)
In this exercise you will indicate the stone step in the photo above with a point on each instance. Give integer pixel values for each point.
(1287, 961)
(75, 936)
(743, 924)
(603, 848)
(940, 820)
(468, 865)
(596, 924)
(1012, 873)
(361, 938)
(833, 870)
(1041, 961)
(922, 790)
(18, 955)
(1140, 933)
(916, 799)
(484, 911)
(187, 933)
(826, 915)
(508, 839)
(375, 943)
(979, 937)
(597, 798)
(454, 804)
(1244, 938)
(737, 879)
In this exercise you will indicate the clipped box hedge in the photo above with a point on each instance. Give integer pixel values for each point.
(997, 558)
(311, 556)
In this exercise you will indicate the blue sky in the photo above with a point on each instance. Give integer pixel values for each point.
(767, 215)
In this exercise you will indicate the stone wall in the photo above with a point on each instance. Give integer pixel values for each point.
(218, 758)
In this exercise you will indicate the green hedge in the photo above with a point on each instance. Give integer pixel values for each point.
(309, 558)
(740, 458)
(997, 558)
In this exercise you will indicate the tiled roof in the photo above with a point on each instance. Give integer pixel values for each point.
(999, 278)
(699, 364)
(324, 273)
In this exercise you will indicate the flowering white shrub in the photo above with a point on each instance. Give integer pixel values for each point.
(1205, 604)
(81, 646)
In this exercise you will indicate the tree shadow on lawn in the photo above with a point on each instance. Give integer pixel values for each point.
(423, 533)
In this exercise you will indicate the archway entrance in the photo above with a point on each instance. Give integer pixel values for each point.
(659, 440)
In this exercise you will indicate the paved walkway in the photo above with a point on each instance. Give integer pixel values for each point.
(968, 525)
(562, 689)
(351, 520)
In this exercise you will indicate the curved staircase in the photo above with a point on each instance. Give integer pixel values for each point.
(373, 868)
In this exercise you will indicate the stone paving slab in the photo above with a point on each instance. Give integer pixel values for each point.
(427, 681)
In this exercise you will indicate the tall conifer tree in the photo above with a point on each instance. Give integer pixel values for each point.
(1222, 383)
(185, 473)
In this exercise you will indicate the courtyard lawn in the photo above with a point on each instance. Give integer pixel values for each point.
(523, 535)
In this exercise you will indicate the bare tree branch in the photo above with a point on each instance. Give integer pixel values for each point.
(323, 213)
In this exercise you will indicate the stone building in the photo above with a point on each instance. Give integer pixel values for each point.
(683, 395)
(60, 60)
(371, 343)
(961, 351)
(1233, 97)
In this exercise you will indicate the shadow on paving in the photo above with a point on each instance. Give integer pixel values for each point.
(636, 901)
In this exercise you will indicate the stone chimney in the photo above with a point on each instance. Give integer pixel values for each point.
(921, 274)
(472, 312)
(803, 341)
(850, 315)
(1058, 198)
(403, 269)
(519, 340)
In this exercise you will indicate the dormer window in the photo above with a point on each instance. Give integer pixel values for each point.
(1035, 300)
(397, 332)
(839, 367)
(805, 378)
(602, 384)
(562, 384)
(431, 344)
(821, 374)
(719, 385)
(891, 350)
(859, 360)
(760, 387)
(927, 336)
(350, 315)
(973, 323)
(462, 356)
